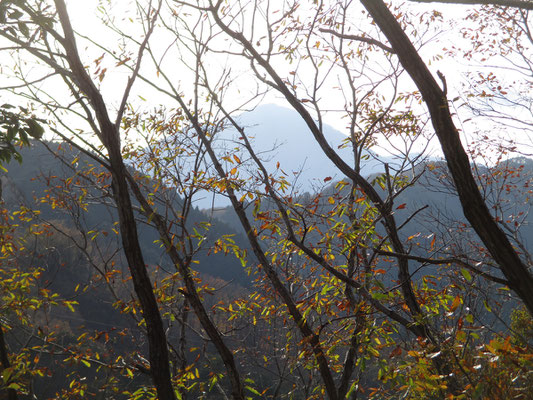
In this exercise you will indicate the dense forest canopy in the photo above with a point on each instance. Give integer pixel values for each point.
(157, 242)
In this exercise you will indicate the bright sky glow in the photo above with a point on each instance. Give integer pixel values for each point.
(177, 63)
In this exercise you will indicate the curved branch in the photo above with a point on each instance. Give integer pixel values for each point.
(359, 39)
(454, 260)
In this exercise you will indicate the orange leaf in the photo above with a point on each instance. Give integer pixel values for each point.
(456, 303)
(123, 61)
(401, 206)
(396, 352)
(236, 158)
(327, 179)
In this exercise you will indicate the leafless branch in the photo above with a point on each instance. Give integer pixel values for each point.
(359, 39)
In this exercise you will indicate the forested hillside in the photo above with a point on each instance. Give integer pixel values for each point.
(179, 219)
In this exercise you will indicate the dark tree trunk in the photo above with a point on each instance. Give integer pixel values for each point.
(4, 359)
(109, 136)
(193, 298)
(474, 207)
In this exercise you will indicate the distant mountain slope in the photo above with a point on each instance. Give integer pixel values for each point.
(101, 295)
(284, 131)
(282, 136)
(26, 183)
(279, 134)
(508, 189)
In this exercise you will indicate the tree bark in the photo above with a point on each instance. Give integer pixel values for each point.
(4, 359)
(109, 135)
(192, 296)
(474, 207)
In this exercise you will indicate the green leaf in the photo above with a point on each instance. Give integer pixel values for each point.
(16, 14)
(6, 374)
(352, 388)
(251, 389)
(23, 29)
(466, 274)
(69, 305)
(35, 129)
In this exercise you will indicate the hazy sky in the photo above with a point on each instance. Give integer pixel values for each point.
(85, 17)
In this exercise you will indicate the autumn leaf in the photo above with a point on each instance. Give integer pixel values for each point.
(396, 352)
(456, 303)
(122, 62)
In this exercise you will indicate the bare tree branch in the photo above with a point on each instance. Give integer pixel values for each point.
(359, 39)
(135, 73)
(446, 261)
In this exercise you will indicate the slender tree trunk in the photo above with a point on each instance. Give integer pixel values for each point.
(474, 207)
(109, 135)
(4, 359)
(157, 340)
(404, 275)
(192, 296)
(279, 287)
(4, 356)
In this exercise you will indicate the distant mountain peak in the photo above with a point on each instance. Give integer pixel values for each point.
(279, 134)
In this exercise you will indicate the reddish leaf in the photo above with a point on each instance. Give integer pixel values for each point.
(396, 352)
(456, 303)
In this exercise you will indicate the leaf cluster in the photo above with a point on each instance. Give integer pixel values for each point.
(16, 129)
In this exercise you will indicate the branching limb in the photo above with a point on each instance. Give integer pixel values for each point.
(454, 260)
(359, 39)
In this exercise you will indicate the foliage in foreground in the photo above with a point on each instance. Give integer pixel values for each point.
(358, 289)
